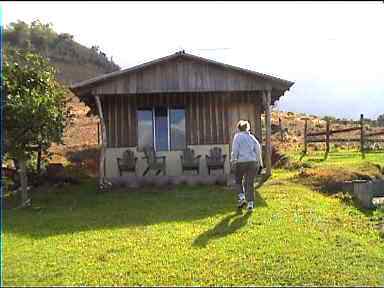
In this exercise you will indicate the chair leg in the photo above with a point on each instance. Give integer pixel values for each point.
(158, 172)
(120, 172)
(146, 171)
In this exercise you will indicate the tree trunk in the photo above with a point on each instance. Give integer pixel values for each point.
(23, 182)
(38, 165)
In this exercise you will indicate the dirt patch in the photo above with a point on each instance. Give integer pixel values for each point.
(332, 180)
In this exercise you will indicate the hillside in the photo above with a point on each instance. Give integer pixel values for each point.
(73, 62)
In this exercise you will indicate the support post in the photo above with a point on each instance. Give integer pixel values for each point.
(327, 141)
(362, 136)
(268, 144)
(103, 142)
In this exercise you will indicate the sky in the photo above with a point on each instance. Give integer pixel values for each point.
(333, 51)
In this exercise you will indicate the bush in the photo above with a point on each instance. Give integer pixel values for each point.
(78, 157)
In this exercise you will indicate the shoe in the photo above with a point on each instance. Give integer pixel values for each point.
(250, 206)
(241, 202)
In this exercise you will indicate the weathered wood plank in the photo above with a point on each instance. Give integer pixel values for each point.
(180, 75)
(116, 121)
(133, 133)
(226, 117)
(208, 120)
(268, 142)
(220, 120)
(193, 120)
(128, 117)
(112, 121)
(212, 119)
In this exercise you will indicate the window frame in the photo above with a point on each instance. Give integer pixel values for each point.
(177, 107)
(168, 107)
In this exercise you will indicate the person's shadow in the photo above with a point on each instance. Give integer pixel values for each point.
(223, 228)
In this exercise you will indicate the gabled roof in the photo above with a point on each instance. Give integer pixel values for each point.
(181, 54)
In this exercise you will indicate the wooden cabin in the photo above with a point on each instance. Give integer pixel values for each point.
(175, 102)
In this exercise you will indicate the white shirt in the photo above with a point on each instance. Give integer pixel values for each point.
(246, 148)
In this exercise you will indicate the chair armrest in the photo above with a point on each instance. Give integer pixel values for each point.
(118, 160)
(224, 156)
(135, 159)
(162, 157)
(207, 157)
(198, 157)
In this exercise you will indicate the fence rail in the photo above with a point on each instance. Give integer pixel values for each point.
(364, 138)
(334, 131)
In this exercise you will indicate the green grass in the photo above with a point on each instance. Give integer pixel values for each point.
(192, 236)
(341, 158)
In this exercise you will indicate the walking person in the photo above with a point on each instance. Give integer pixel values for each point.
(247, 162)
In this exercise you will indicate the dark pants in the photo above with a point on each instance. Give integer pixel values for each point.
(245, 173)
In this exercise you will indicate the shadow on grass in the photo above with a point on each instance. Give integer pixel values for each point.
(223, 228)
(76, 208)
(228, 224)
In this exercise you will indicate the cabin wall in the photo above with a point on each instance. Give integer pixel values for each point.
(210, 117)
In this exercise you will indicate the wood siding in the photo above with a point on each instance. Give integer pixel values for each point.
(182, 75)
(210, 117)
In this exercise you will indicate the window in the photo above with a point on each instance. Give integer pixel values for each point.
(144, 128)
(162, 128)
(177, 129)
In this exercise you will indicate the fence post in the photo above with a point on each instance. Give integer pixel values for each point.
(305, 138)
(362, 136)
(327, 141)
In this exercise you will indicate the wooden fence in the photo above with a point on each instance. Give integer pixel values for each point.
(364, 137)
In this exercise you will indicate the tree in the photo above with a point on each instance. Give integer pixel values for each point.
(36, 110)
(41, 36)
(380, 120)
(329, 118)
(18, 34)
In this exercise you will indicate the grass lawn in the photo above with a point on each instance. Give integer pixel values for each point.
(193, 236)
